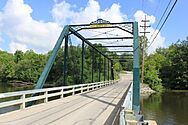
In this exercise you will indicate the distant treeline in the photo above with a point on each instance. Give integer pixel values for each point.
(28, 66)
(168, 67)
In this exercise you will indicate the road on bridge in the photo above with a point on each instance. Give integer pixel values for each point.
(97, 107)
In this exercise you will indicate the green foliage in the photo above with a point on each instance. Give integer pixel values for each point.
(168, 67)
(21, 66)
(117, 68)
(74, 66)
(175, 72)
(128, 65)
(151, 76)
(18, 55)
(6, 66)
(30, 66)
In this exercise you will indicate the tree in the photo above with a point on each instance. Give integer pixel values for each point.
(128, 64)
(175, 73)
(151, 76)
(153, 64)
(30, 67)
(6, 66)
(18, 56)
(168, 66)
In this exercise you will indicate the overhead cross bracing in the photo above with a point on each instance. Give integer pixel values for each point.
(116, 37)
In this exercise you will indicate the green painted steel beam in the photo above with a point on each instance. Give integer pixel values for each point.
(99, 77)
(112, 70)
(120, 55)
(115, 46)
(108, 70)
(121, 58)
(129, 51)
(136, 72)
(108, 38)
(99, 68)
(93, 57)
(104, 69)
(76, 25)
(106, 27)
(48, 66)
(65, 61)
(82, 63)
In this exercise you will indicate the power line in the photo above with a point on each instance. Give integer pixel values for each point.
(163, 23)
(160, 19)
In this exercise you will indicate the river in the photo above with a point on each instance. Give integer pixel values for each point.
(169, 108)
(8, 88)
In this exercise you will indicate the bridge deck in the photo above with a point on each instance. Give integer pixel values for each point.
(95, 107)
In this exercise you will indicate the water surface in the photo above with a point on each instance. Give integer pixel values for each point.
(7, 88)
(169, 108)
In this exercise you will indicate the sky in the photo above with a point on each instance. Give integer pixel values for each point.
(37, 24)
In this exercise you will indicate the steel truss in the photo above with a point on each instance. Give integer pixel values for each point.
(108, 59)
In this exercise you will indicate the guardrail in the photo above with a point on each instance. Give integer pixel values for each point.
(127, 105)
(22, 98)
(127, 115)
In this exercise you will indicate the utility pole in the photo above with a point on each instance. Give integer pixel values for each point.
(144, 41)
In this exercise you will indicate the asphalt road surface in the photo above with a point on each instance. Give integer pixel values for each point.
(98, 107)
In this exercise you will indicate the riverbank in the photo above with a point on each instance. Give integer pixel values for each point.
(20, 84)
(146, 90)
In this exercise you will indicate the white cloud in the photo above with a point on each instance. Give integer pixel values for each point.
(63, 12)
(17, 46)
(139, 16)
(24, 31)
(159, 41)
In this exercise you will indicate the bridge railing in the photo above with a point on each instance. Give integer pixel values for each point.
(127, 104)
(127, 114)
(22, 98)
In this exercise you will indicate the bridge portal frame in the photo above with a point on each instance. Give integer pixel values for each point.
(74, 29)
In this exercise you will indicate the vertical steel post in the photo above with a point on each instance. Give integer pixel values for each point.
(82, 64)
(108, 70)
(99, 68)
(104, 68)
(136, 68)
(65, 61)
(98, 71)
(112, 70)
(93, 57)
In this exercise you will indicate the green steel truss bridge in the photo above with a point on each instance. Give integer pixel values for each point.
(102, 102)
